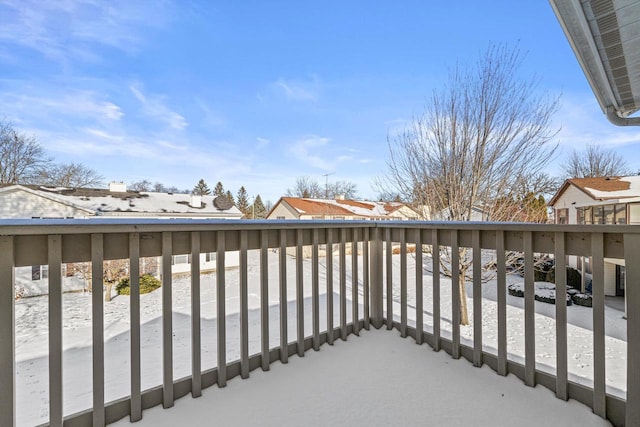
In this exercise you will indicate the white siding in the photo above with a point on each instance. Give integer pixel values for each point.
(571, 198)
(282, 211)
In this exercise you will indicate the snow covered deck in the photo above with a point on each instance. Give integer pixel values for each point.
(376, 379)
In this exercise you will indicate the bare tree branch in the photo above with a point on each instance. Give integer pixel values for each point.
(595, 161)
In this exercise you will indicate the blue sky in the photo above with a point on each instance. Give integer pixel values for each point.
(257, 93)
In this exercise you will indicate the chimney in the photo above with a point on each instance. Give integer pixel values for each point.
(117, 187)
(196, 201)
(340, 197)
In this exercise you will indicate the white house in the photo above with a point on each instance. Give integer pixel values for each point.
(39, 202)
(603, 200)
(340, 209)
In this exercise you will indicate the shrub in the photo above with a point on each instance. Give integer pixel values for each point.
(574, 278)
(148, 283)
(584, 300)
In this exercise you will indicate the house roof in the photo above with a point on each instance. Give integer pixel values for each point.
(362, 208)
(104, 202)
(603, 188)
(604, 37)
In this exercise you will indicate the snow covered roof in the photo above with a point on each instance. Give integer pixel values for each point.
(132, 203)
(342, 207)
(604, 188)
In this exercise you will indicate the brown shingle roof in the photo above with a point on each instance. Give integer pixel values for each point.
(608, 183)
(313, 207)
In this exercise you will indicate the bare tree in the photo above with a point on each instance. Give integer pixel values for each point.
(346, 189)
(310, 188)
(70, 175)
(144, 185)
(22, 158)
(306, 187)
(479, 137)
(595, 161)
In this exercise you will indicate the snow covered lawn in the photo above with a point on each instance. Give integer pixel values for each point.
(32, 335)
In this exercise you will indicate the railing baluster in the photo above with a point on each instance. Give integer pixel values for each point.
(221, 312)
(599, 381)
(284, 341)
(315, 291)
(403, 283)
(264, 298)
(632, 295)
(561, 317)
(97, 323)
(196, 363)
(501, 297)
(55, 330)
(529, 312)
(419, 289)
(244, 307)
(355, 317)
(435, 277)
(167, 322)
(299, 293)
(7, 333)
(365, 278)
(477, 299)
(329, 258)
(389, 248)
(343, 286)
(134, 319)
(456, 296)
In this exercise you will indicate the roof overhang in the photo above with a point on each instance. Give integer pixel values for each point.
(605, 36)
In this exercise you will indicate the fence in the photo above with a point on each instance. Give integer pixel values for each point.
(24, 243)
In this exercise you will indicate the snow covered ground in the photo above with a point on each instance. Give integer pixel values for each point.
(32, 341)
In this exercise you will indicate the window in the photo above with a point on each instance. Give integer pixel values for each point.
(598, 215)
(608, 214)
(39, 272)
(620, 213)
(181, 259)
(588, 215)
(562, 216)
(580, 215)
(210, 257)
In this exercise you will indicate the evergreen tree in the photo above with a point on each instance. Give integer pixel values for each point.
(218, 190)
(229, 197)
(258, 210)
(201, 189)
(242, 202)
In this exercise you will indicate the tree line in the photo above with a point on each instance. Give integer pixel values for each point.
(254, 209)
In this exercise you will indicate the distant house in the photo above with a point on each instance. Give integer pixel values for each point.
(39, 202)
(603, 200)
(340, 209)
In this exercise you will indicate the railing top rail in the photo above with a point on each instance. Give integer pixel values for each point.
(85, 226)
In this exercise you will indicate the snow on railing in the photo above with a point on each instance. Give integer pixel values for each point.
(373, 283)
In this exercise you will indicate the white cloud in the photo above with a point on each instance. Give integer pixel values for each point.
(69, 30)
(309, 151)
(262, 142)
(154, 106)
(296, 90)
(582, 122)
(47, 103)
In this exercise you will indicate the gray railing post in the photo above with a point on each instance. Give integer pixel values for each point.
(375, 277)
(7, 333)
(632, 294)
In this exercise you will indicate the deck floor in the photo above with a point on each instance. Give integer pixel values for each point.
(376, 379)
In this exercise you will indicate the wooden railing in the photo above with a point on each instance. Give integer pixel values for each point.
(52, 243)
